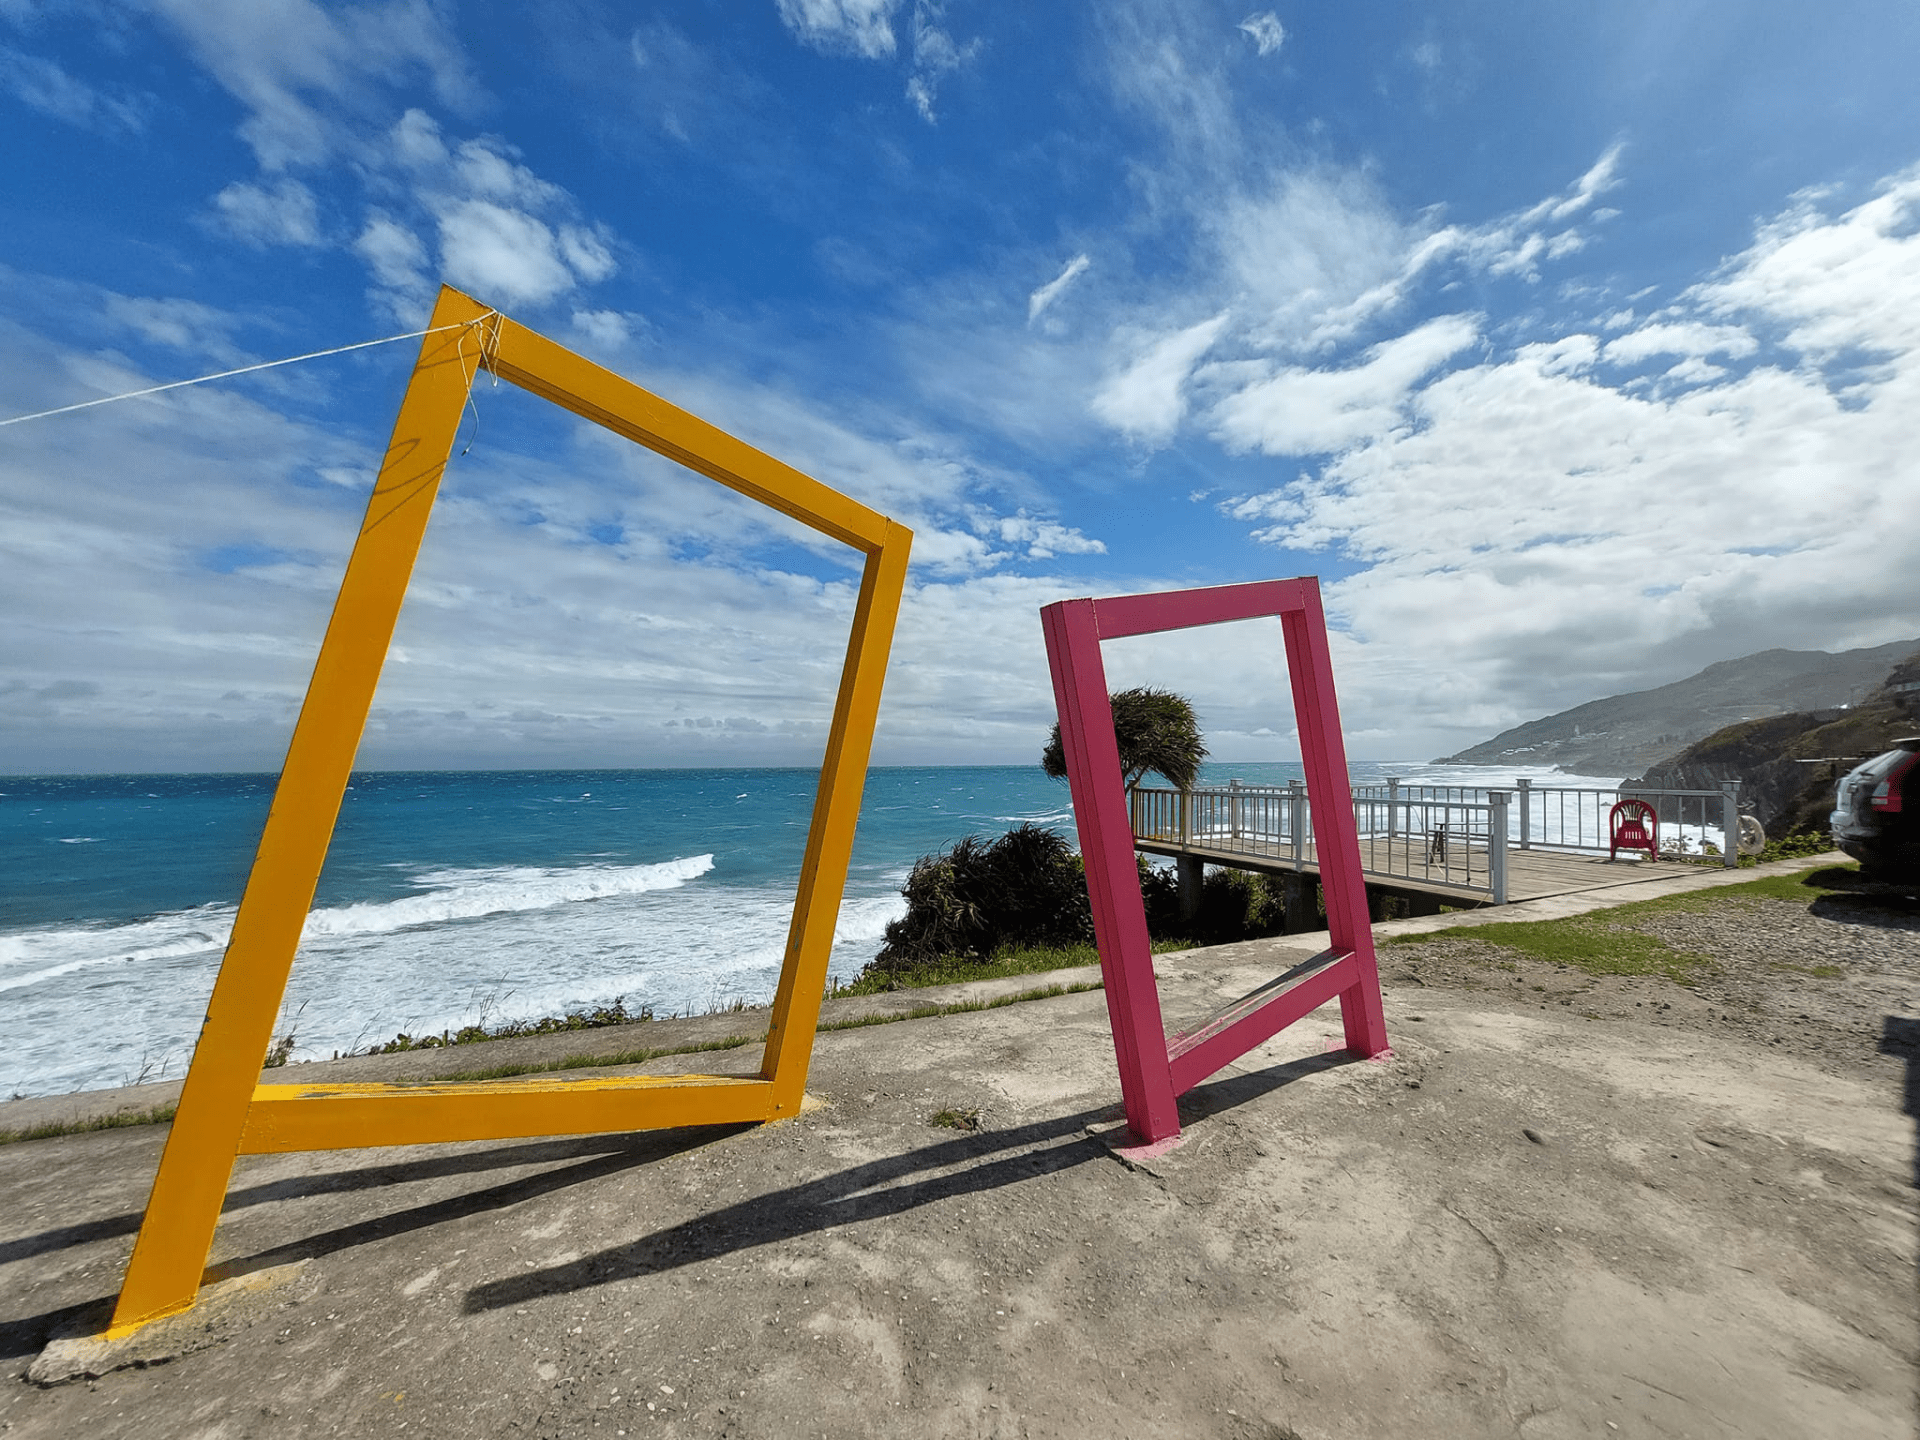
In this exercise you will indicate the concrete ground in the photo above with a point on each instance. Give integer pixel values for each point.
(1608, 1216)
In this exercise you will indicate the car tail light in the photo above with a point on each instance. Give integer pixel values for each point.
(1887, 795)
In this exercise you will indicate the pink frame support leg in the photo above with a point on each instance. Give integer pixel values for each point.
(1154, 1070)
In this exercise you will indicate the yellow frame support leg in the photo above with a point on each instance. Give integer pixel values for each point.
(224, 1110)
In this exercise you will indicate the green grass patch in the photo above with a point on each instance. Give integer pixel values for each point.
(1803, 887)
(955, 1119)
(1596, 943)
(158, 1115)
(1603, 942)
(956, 970)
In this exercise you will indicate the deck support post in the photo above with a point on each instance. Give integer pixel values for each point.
(1192, 873)
(1303, 911)
(1497, 844)
(1297, 822)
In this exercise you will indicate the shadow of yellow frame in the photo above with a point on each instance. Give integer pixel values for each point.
(224, 1111)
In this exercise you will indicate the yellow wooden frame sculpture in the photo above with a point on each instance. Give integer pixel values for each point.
(224, 1111)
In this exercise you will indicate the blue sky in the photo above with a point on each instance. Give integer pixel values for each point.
(1574, 348)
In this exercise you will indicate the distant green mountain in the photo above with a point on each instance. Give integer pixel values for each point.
(1629, 734)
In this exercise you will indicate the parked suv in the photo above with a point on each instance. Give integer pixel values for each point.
(1876, 812)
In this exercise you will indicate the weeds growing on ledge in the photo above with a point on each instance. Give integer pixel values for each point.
(589, 1019)
(158, 1115)
(957, 969)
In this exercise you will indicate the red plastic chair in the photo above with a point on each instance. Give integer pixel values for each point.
(1635, 825)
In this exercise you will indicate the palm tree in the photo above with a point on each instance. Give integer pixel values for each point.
(1155, 730)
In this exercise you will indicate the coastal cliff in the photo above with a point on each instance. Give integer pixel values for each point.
(1787, 764)
(1625, 734)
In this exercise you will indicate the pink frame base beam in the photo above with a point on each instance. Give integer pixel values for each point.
(1155, 1070)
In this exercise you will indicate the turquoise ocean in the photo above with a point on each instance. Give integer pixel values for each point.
(452, 898)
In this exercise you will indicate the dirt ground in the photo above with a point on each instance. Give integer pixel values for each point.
(1563, 1207)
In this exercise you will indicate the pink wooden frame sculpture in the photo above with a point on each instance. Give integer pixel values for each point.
(1155, 1070)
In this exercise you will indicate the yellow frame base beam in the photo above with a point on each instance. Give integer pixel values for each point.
(224, 1110)
(340, 1117)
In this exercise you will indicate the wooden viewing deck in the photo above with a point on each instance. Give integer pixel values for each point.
(1434, 845)
(1531, 874)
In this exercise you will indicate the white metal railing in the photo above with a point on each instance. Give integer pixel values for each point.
(1454, 835)
(1455, 842)
(1551, 817)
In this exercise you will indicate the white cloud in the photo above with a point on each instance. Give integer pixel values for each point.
(1146, 400)
(935, 56)
(1265, 30)
(1045, 539)
(501, 254)
(481, 169)
(921, 92)
(1041, 298)
(586, 252)
(1164, 62)
(1539, 509)
(1314, 255)
(393, 251)
(1683, 338)
(416, 142)
(859, 27)
(1602, 176)
(503, 230)
(42, 84)
(1300, 411)
(1833, 283)
(1304, 264)
(283, 214)
(607, 329)
(304, 74)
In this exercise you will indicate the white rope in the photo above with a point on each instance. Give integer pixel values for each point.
(228, 374)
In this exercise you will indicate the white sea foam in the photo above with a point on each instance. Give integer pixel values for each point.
(1044, 817)
(469, 894)
(35, 957)
(32, 957)
(476, 945)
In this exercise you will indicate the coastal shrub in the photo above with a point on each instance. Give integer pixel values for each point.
(1238, 905)
(1025, 888)
(1798, 845)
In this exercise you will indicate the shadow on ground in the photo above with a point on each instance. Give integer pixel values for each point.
(594, 1156)
(1900, 1036)
(1865, 900)
(972, 1164)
